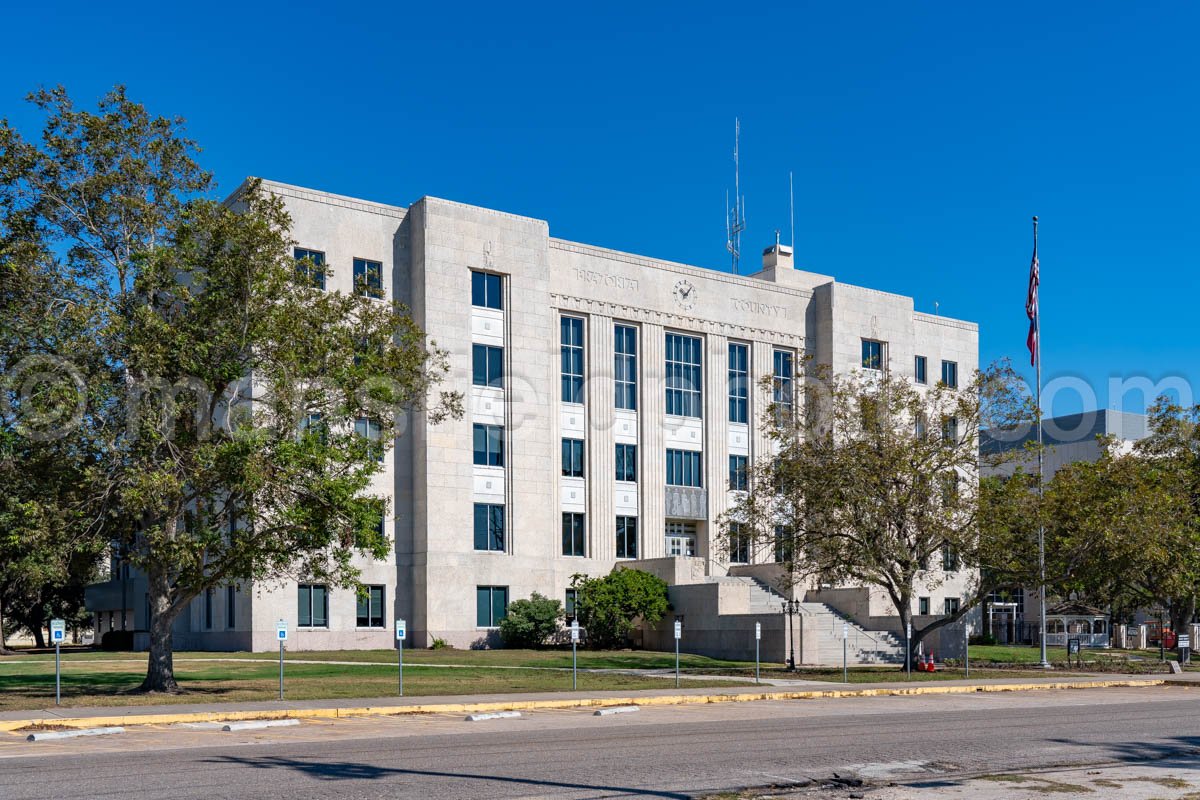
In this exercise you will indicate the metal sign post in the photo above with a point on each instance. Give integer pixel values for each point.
(401, 632)
(678, 636)
(967, 649)
(574, 654)
(845, 661)
(281, 633)
(908, 650)
(757, 641)
(1184, 643)
(58, 632)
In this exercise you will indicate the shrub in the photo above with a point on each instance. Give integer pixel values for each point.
(439, 644)
(610, 607)
(529, 623)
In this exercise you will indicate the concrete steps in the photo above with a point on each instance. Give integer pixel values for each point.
(862, 646)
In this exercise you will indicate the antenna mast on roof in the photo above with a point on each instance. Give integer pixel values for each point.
(735, 220)
(792, 211)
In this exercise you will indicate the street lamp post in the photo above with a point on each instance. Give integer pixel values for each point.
(790, 607)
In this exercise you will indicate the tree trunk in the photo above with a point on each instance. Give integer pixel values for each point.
(1182, 611)
(39, 635)
(160, 668)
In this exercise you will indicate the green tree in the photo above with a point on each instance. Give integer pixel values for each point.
(873, 480)
(230, 448)
(610, 607)
(529, 623)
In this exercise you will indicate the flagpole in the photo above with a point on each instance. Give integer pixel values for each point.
(1041, 464)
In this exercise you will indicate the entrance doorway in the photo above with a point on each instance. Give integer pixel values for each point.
(681, 538)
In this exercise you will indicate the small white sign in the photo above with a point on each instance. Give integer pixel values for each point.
(574, 630)
(1185, 640)
(58, 631)
(910, 630)
(845, 631)
(401, 629)
(757, 631)
(678, 629)
(281, 631)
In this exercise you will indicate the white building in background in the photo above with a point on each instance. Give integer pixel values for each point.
(613, 406)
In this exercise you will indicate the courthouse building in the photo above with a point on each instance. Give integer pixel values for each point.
(613, 410)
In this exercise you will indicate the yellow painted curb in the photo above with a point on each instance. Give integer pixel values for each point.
(133, 718)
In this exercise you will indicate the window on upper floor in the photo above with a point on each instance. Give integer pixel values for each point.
(739, 544)
(368, 278)
(625, 366)
(739, 478)
(486, 290)
(489, 527)
(949, 559)
(571, 349)
(488, 444)
(950, 374)
(739, 383)
(923, 606)
(574, 540)
(627, 462)
(783, 383)
(372, 431)
(627, 537)
(487, 366)
(951, 605)
(921, 369)
(310, 264)
(683, 468)
(873, 356)
(683, 375)
(572, 458)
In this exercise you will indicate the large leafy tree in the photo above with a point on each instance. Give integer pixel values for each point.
(1124, 531)
(230, 446)
(872, 480)
(611, 606)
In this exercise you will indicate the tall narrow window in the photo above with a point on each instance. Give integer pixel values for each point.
(950, 374)
(487, 366)
(571, 337)
(485, 290)
(311, 265)
(921, 369)
(230, 607)
(573, 539)
(491, 605)
(683, 375)
(784, 545)
(370, 608)
(208, 608)
(683, 468)
(739, 480)
(489, 445)
(572, 458)
(783, 383)
(627, 462)
(872, 354)
(368, 278)
(923, 607)
(489, 527)
(950, 431)
(313, 611)
(739, 544)
(372, 431)
(739, 383)
(625, 366)
(949, 559)
(627, 537)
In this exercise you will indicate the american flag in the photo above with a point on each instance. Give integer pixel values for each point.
(1031, 309)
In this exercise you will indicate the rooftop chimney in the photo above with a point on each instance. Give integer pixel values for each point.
(778, 256)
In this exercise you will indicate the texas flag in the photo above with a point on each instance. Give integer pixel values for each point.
(1031, 309)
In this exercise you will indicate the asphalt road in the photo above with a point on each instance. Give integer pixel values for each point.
(674, 752)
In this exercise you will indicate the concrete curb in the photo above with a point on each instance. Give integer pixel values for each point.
(516, 704)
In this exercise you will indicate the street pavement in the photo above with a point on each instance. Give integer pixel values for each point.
(657, 752)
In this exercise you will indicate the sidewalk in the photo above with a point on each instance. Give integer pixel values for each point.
(98, 716)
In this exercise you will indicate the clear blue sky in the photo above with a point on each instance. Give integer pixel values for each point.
(923, 136)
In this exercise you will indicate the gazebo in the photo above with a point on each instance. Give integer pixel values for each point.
(1076, 621)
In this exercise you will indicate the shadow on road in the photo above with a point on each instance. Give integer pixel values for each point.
(354, 771)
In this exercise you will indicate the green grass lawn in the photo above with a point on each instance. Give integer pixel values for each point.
(1020, 654)
(885, 674)
(27, 684)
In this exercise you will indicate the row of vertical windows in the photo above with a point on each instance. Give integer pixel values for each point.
(368, 275)
(489, 445)
(489, 533)
(571, 337)
(487, 365)
(572, 458)
(950, 605)
(313, 606)
(683, 468)
(625, 366)
(683, 375)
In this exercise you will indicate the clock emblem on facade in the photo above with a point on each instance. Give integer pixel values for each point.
(685, 294)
